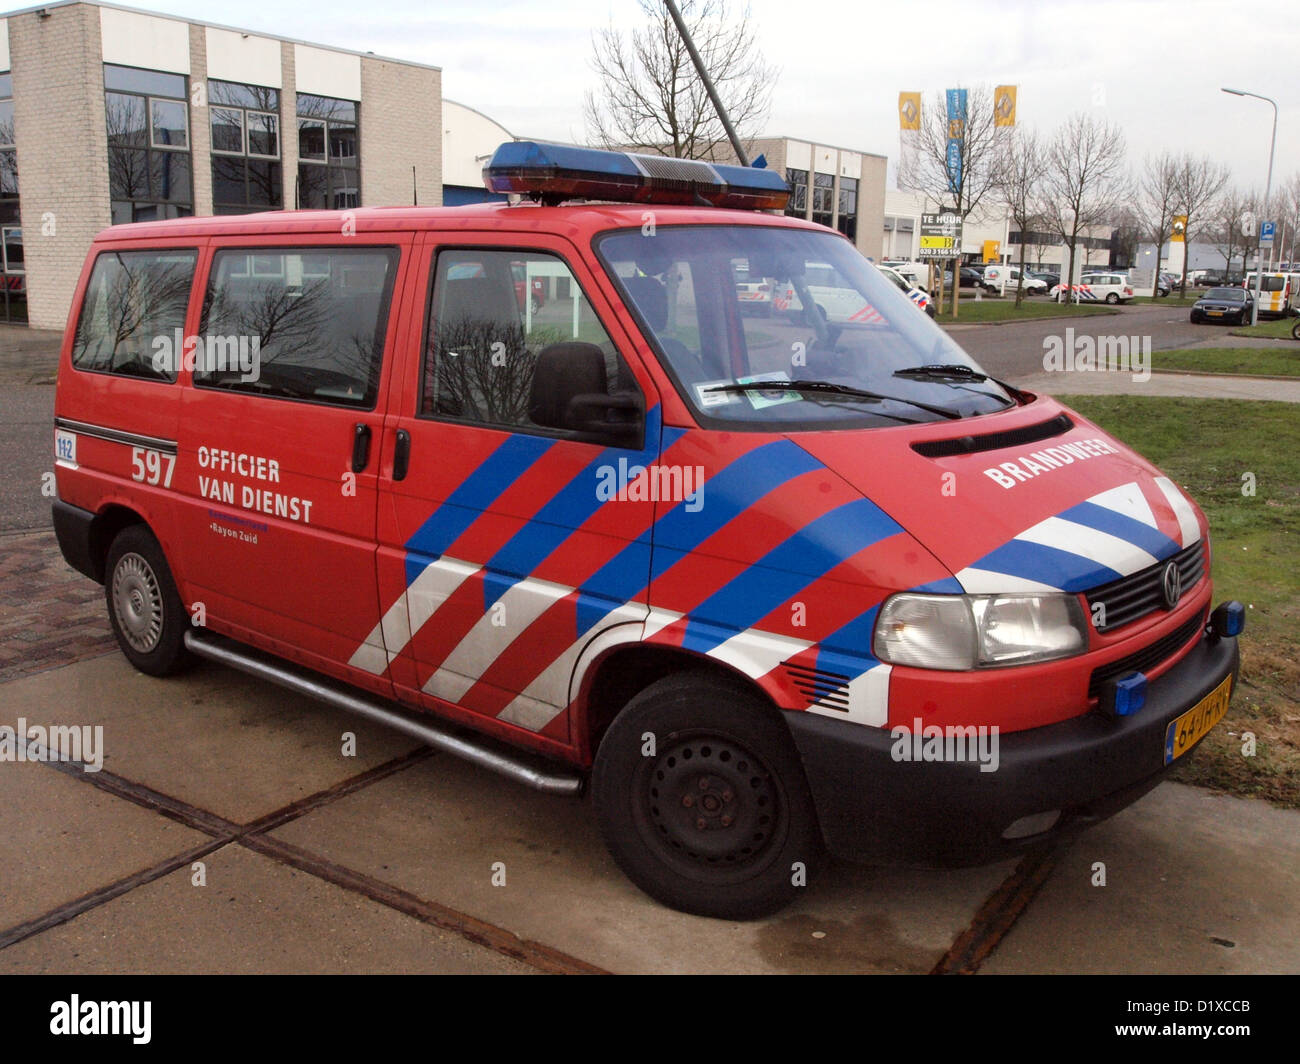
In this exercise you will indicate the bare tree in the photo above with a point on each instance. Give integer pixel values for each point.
(1198, 184)
(651, 98)
(1226, 225)
(1021, 166)
(1086, 182)
(1288, 199)
(1157, 204)
(923, 166)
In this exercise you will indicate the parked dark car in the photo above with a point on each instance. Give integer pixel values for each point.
(971, 277)
(1047, 277)
(1230, 305)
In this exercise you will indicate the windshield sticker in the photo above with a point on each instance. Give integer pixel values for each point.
(707, 398)
(768, 396)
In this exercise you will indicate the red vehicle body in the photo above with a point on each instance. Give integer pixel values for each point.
(370, 529)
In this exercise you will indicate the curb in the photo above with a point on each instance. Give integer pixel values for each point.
(1294, 379)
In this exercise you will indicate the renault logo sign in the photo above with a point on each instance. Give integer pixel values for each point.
(1171, 585)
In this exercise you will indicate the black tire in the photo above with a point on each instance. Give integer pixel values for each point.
(144, 608)
(537, 303)
(1295, 331)
(1112, 298)
(723, 760)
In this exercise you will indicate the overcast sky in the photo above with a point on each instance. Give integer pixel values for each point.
(1153, 66)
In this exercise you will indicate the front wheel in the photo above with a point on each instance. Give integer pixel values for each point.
(702, 800)
(144, 607)
(1295, 330)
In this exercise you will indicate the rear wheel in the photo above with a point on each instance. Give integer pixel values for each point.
(144, 608)
(702, 800)
(1112, 298)
(1295, 331)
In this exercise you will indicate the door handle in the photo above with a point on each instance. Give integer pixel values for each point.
(401, 454)
(360, 447)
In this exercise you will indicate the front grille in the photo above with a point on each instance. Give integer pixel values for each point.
(1147, 658)
(1132, 597)
(820, 686)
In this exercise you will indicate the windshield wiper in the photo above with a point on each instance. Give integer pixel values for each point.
(812, 387)
(953, 373)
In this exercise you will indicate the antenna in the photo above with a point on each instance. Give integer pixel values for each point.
(415, 192)
(708, 82)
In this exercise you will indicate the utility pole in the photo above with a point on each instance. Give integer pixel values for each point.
(708, 84)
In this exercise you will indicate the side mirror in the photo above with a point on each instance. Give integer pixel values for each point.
(570, 391)
(615, 419)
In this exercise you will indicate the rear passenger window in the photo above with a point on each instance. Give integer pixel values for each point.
(492, 315)
(297, 323)
(133, 310)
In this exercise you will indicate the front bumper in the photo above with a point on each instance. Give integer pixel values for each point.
(873, 807)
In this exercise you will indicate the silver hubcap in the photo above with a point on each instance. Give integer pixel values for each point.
(137, 602)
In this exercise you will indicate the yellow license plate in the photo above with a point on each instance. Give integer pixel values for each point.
(1187, 730)
(1215, 313)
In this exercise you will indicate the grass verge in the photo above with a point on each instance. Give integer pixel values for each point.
(1278, 327)
(994, 309)
(1208, 446)
(1249, 361)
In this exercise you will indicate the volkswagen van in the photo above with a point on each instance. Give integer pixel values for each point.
(768, 587)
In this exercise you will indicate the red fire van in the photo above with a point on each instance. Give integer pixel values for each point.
(771, 586)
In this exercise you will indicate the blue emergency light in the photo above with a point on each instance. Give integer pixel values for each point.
(1125, 696)
(553, 173)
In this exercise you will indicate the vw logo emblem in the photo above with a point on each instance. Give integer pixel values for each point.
(1171, 585)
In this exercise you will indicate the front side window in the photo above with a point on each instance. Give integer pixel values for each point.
(133, 310)
(297, 323)
(246, 168)
(494, 314)
(837, 327)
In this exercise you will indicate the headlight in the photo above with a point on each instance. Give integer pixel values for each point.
(973, 631)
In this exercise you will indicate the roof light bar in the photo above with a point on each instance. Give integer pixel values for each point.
(554, 172)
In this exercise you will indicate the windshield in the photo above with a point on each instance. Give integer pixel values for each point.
(1234, 295)
(833, 319)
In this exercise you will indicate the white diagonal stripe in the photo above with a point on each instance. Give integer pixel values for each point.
(1187, 523)
(1129, 501)
(986, 582)
(1111, 551)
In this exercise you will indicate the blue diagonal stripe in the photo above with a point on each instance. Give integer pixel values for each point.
(512, 459)
(1047, 565)
(787, 569)
(726, 494)
(1140, 534)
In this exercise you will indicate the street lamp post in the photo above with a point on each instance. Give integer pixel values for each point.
(1268, 190)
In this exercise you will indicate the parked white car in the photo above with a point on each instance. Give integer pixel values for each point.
(999, 277)
(838, 301)
(1097, 288)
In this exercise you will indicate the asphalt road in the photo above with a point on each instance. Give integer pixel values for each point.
(1015, 350)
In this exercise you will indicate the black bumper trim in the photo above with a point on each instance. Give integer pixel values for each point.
(74, 529)
(872, 807)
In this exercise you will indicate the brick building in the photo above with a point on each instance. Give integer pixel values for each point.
(109, 114)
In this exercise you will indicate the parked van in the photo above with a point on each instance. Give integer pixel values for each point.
(999, 277)
(769, 587)
(1278, 293)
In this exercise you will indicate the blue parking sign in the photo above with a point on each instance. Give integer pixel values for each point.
(1266, 231)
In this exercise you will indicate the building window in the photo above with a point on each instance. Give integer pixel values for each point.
(246, 174)
(13, 274)
(149, 169)
(823, 198)
(847, 223)
(328, 167)
(797, 206)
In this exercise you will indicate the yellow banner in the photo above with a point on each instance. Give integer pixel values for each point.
(992, 250)
(1004, 105)
(909, 110)
(1180, 229)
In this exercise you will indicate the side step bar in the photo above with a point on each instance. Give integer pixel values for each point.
(533, 772)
